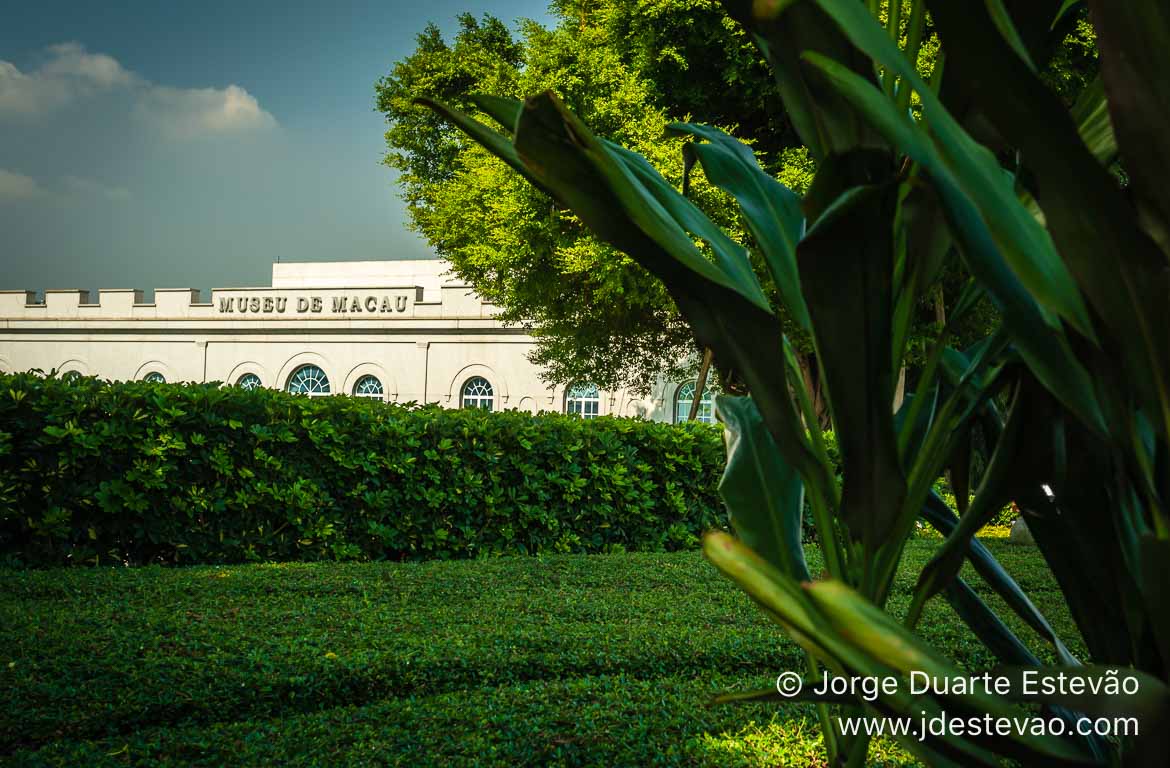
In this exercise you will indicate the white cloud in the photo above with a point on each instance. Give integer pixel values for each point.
(188, 112)
(17, 186)
(70, 74)
(22, 94)
(81, 187)
(71, 60)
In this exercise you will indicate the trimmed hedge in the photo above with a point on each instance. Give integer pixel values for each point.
(94, 472)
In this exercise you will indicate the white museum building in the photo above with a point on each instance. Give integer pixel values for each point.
(399, 331)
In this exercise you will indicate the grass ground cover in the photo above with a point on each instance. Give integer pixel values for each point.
(571, 660)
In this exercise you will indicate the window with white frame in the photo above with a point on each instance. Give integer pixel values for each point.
(249, 381)
(154, 377)
(477, 393)
(583, 400)
(308, 380)
(686, 398)
(368, 386)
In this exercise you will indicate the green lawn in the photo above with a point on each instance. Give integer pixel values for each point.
(571, 660)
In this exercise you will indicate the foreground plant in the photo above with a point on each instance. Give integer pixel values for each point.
(1070, 396)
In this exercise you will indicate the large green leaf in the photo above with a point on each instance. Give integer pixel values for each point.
(1117, 265)
(763, 494)
(942, 518)
(1023, 242)
(848, 288)
(1008, 648)
(875, 633)
(1088, 576)
(923, 248)
(1022, 454)
(785, 601)
(579, 172)
(555, 151)
(603, 190)
(1091, 115)
(503, 110)
(988, 626)
(730, 256)
(853, 637)
(779, 595)
(493, 141)
(825, 123)
(1043, 346)
(770, 210)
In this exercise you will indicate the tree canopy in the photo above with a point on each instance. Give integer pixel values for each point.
(628, 69)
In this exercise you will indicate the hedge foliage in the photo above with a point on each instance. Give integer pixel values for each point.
(94, 472)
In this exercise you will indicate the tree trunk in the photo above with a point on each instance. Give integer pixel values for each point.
(700, 385)
(812, 385)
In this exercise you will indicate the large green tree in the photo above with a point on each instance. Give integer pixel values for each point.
(632, 69)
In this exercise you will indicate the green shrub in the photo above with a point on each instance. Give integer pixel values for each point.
(95, 472)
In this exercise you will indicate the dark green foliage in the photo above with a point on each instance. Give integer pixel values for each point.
(562, 660)
(94, 472)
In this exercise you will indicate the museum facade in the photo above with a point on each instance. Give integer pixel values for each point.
(398, 331)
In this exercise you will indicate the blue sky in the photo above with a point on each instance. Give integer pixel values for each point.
(147, 144)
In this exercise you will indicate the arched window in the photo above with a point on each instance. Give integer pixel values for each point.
(249, 381)
(71, 376)
(583, 400)
(308, 380)
(684, 399)
(478, 393)
(368, 386)
(154, 377)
